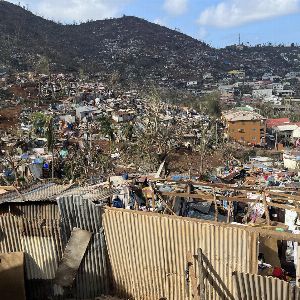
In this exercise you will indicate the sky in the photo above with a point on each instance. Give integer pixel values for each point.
(217, 22)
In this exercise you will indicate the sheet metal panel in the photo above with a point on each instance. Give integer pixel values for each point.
(42, 243)
(10, 237)
(148, 254)
(40, 192)
(80, 213)
(93, 276)
(31, 210)
(40, 240)
(252, 286)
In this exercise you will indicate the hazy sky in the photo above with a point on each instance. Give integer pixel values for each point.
(217, 22)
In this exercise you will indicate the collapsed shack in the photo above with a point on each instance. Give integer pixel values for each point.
(40, 223)
(150, 254)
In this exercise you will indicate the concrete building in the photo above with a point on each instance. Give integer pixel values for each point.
(246, 127)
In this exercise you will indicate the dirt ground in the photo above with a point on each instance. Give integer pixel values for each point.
(9, 117)
(185, 161)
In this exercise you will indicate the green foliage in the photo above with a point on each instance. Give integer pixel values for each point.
(106, 127)
(211, 103)
(39, 120)
(127, 131)
(42, 66)
(43, 126)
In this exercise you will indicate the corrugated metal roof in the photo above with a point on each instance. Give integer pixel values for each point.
(92, 193)
(10, 236)
(41, 192)
(50, 191)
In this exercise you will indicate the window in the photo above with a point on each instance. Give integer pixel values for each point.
(254, 129)
(241, 130)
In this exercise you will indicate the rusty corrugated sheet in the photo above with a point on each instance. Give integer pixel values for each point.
(148, 254)
(252, 286)
(93, 277)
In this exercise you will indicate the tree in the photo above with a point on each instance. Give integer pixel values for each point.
(42, 66)
(43, 126)
(205, 142)
(127, 130)
(211, 104)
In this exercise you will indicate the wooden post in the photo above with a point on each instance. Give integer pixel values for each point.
(216, 206)
(201, 275)
(136, 205)
(153, 200)
(298, 266)
(192, 275)
(266, 208)
(110, 199)
(229, 210)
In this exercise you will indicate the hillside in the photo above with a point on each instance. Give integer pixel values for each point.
(132, 46)
(139, 51)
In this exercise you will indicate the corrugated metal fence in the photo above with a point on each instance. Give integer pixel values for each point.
(148, 254)
(251, 286)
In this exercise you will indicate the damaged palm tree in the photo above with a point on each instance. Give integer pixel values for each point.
(205, 142)
(43, 126)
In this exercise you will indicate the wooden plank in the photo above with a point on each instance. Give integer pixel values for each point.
(192, 273)
(216, 206)
(266, 208)
(72, 257)
(207, 198)
(201, 275)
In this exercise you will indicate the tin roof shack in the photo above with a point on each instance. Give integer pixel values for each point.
(284, 133)
(39, 222)
(246, 127)
(123, 116)
(85, 111)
